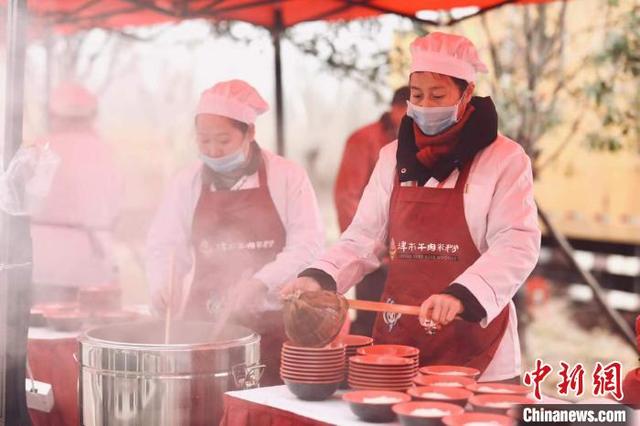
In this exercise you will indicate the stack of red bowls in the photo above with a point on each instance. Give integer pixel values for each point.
(312, 373)
(381, 372)
(403, 351)
(351, 342)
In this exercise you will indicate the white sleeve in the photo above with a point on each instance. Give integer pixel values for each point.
(513, 239)
(363, 244)
(169, 234)
(303, 226)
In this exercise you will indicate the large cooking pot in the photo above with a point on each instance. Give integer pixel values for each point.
(128, 376)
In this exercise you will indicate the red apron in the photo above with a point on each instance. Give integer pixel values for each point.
(236, 233)
(430, 245)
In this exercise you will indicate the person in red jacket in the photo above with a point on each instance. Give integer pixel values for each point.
(358, 160)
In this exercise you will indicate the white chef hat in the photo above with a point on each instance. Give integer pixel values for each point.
(447, 54)
(70, 99)
(235, 99)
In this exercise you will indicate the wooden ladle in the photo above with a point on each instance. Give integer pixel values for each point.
(315, 318)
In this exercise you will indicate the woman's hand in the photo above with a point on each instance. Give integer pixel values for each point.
(440, 308)
(302, 284)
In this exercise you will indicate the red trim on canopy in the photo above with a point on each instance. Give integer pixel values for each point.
(69, 15)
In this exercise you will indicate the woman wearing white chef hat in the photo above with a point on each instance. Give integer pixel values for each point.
(240, 222)
(451, 202)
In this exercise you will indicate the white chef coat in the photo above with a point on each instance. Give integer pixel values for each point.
(170, 231)
(502, 219)
(72, 228)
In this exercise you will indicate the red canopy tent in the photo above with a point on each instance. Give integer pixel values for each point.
(75, 15)
(118, 13)
(274, 15)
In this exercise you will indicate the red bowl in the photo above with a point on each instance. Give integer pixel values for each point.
(338, 363)
(369, 386)
(395, 350)
(314, 355)
(311, 391)
(311, 370)
(443, 381)
(312, 376)
(407, 375)
(374, 380)
(499, 389)
(331, 347)
(381, 360)
(319, 357)
(299, 360)
(364, 405)
(466, 418)
(384, 369)
(313, 367)
(404, 376)
(498, 404)
(310, 379)
(456, 396)
(409, 412)
(450, 370)
(353, 340)
(361, 397)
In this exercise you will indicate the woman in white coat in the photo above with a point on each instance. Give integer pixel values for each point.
(451, 202)
(72, 230)
(239, 223)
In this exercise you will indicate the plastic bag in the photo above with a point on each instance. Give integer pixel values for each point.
(27, 181)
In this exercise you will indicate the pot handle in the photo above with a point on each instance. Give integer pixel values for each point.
(247, 377)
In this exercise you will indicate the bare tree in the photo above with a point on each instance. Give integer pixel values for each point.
(614, 93)
(530, 75)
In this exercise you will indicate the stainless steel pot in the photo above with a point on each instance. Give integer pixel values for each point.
(129, 377)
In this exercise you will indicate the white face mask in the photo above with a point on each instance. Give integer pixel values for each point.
(433, 120)
(227, 163)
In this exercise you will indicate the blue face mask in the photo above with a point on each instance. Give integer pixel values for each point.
(227, 163)
(433, 120)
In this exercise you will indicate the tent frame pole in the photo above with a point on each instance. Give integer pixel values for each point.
(276, 36)
(15, 240)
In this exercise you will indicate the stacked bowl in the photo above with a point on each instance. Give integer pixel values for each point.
(443, 381)
(381, 372)
(394, 350)
(312, 374)
(450, 370)
(351, 342)
(374, 406)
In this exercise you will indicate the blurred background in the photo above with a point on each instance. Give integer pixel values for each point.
(564, 75)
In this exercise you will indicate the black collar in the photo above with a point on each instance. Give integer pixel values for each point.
(479, 131)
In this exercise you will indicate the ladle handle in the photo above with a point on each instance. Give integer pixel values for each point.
(365, 305)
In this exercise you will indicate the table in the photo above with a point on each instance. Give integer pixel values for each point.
(50, 355)
(276, 406)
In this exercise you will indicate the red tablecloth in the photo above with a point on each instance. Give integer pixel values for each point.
(52, 362)
(238, 412)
